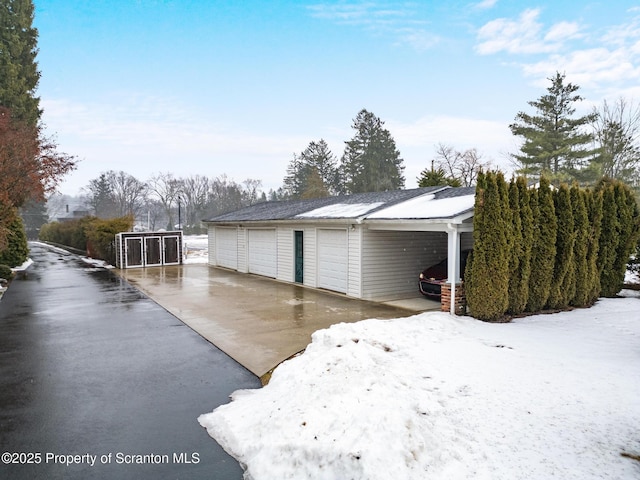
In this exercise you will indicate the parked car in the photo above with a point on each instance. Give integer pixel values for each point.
(432, 278)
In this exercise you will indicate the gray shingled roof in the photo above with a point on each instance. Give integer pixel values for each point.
(289, 209)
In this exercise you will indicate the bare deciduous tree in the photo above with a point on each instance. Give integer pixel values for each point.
(463, 166)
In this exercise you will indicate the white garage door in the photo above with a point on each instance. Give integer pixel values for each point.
(332, 260)
(227, 247)
(262, 252)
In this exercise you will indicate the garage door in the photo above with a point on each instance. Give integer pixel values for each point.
(262, 252)
(227, 247)
(332, 260)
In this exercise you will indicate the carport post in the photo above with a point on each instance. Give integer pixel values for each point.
(453, 267)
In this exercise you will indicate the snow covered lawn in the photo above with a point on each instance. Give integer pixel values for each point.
(441, 397)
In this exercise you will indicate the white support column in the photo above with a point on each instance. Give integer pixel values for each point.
(453, 267)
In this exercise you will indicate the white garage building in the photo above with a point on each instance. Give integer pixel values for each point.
(371, 246)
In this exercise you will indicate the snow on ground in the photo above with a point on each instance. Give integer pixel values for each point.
(441, 397)
(197, 248)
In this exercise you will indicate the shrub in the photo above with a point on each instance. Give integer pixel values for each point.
(16, 250)
(90, 234)
(5, 272)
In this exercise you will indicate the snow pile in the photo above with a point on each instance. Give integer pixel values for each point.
(441, 397)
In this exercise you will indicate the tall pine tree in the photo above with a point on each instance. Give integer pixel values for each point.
(554, 142)
(371, 162)
(19, 73)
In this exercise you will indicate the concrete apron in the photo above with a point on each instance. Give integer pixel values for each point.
(257, 321)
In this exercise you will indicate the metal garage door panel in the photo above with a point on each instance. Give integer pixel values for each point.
(227, 247)
(262, 252)
(332, 260)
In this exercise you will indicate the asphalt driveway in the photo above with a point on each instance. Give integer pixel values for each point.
(99, 382)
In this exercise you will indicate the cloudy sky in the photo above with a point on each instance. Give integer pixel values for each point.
(226, 87)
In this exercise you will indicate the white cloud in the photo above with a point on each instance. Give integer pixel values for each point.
(525, 35)
(605, 62)
(486, 4)
(561, 31)
(399, 21)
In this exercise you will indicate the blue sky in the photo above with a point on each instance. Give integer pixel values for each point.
(236, 88)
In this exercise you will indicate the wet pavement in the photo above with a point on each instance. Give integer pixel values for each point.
(91, 367)
(258, 321)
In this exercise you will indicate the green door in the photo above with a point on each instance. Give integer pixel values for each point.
(299, 256)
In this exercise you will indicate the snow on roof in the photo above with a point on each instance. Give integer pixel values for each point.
(341, 210)
(426, 207)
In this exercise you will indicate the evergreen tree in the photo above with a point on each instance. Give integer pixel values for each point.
(16, 251)
(517, 286)
(101, 197)
(543, 252)
(19, 73)
(583, 282)
(608, 242)
(435, 177)
(554, 142)
(315, 161)
(371, 162)
(34, 215)
(594, 201)
(488, 292)
(620, 230)
(315, 187)
(563, 279)
(521, 289)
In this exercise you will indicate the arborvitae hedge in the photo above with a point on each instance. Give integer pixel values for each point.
(609, 242)
(538, 248)
(563, 277)
(543, 251)
(594, 201)
(515, 278)
(490, 260)
(583, 282)
(619, 235)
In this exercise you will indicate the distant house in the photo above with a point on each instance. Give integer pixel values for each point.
(370, 246)
(72, 212)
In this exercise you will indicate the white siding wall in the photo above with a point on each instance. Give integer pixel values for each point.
(211, 240)
(392, 261)
(354, 278)
(310, 257)
(243, 260)
(285, 240)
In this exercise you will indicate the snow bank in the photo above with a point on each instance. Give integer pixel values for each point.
(441, 397)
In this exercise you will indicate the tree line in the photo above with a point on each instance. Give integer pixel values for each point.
(30, 164)
(167, 201)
